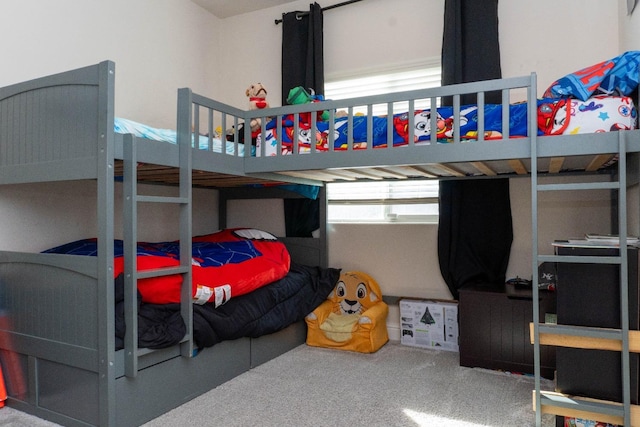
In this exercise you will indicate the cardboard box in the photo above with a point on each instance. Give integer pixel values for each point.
(429, 324)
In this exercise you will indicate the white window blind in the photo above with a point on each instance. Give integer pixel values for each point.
(423, 75)
(385, 201)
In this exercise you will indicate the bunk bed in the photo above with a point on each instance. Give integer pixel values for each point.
(72, 373)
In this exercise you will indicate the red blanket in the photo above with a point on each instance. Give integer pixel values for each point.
(225, 264)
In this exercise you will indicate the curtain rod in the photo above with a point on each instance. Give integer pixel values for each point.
(278, 21)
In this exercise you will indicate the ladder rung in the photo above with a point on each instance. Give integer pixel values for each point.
(610, 341)
(580, 331)
(580, 186)
(578, 259)
(162, 199)
(158, 272)
(612, 412)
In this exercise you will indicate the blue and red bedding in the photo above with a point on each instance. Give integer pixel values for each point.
(591, 100)
(555, 117)
(225, 264)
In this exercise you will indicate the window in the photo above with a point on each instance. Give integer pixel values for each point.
(407, 201)
(420, 75)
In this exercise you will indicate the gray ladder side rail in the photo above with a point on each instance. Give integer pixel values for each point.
(131, 198)
(624, 410)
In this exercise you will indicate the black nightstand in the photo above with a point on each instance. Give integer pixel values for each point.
(494, 328)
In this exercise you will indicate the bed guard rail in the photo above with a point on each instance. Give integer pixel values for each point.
(221, 128)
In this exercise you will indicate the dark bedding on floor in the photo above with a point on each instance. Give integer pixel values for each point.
(263, 311)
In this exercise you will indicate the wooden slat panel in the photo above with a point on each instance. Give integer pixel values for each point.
(366, 173)
(555, 164)
(598, 161)
(447, 169)
(414, 171)
(518, 167)
(482, 167)
(315, 174)
(340, 174)
(389, 173)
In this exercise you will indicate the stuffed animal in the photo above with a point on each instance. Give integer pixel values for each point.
(257, 94)
(299, 95)
(352, 318)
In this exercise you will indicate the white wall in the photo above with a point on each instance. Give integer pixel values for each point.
(629, 28)
(31, 213)
(157, 45)
(548, 37)
(160, 45)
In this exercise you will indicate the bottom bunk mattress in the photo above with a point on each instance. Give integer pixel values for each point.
(244, 285)
(225, 264)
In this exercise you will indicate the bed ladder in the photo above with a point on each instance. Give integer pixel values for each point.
(619, 413)
(131, 198)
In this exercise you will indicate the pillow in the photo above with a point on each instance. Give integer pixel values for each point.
(616, 76)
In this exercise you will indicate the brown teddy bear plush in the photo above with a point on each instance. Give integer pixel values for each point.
(257, 94)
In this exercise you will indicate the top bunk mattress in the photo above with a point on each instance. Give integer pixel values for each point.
(555, 117)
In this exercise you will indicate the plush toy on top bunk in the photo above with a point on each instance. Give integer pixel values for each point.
(352, 318)
(257, 94)
(299, 95)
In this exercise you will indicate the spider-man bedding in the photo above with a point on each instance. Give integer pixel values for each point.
(225, 264)
(252, 266)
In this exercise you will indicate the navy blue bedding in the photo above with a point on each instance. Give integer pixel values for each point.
(265, 310)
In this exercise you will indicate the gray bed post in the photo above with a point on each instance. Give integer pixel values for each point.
(105, 214)
(184, 139)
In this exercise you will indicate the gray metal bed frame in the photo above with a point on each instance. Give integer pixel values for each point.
(61, 128)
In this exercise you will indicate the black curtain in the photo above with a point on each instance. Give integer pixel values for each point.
(302, 65)
(302, 51)
(470, 46)
(475, 227)
(475, 232)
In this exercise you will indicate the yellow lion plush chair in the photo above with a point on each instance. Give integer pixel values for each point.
(353, 317)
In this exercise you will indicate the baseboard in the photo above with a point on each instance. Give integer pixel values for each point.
(393, 322)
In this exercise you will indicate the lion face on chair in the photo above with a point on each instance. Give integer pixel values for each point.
(354, 293)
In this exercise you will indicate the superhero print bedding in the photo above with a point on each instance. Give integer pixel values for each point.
(225, 264)
(591, 100)
(555, 116)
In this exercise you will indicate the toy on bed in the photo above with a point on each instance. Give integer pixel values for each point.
(299, 95)
(257, 94)
(352, 318)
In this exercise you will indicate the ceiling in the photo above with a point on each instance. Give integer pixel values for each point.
(226, 8)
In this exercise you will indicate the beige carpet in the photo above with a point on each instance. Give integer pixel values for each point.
(397, 386)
